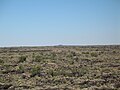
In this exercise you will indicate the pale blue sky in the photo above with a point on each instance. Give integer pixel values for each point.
(54, 22)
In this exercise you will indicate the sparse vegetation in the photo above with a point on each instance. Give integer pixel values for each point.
(35, 70)
(93, 54)
(60, 68)
(38, 58)
(78, 72)
(22, 59)
(1, 61)
(21, 69)
(85, 52)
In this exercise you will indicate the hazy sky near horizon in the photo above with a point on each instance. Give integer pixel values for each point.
(54, 22)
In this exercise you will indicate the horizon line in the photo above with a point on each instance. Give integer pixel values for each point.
(10, 46)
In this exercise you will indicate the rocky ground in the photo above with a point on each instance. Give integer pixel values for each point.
(60, 68)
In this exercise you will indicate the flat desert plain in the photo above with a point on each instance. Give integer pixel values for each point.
(60, 68)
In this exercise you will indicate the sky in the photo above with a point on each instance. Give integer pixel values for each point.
(59, 22)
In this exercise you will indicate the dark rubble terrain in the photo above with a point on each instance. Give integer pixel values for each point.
(60, 68)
